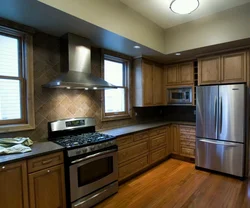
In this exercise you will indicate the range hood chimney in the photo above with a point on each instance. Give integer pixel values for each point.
(76, 66)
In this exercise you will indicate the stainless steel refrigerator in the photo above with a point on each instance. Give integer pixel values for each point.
(220, 128)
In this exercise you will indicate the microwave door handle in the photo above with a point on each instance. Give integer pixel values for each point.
(94, 155)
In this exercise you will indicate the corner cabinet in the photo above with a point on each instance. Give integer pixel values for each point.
(13, 185)
(228, 68)
(148, 82)
(179, 74)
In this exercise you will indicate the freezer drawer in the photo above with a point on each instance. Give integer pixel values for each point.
(225, 157)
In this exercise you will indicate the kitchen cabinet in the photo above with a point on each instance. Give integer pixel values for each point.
(46, 188)
(148, 83)
(227, 68)
(187, 141)
(13, 185)
(46, 181)
(175, 134)
(169, 142)
(179, 74)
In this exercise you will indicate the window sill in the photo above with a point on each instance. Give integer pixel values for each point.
(116, 117)
(16, 127)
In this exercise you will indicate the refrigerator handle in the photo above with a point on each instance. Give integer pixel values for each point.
(215, 113)
(220, 114)
(219, 143)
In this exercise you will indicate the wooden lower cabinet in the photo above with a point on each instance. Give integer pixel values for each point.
(157, 155)
(175, 134)
(14, 186)
(187, 141)
(46, 188)
(133, 151)
(133, 167)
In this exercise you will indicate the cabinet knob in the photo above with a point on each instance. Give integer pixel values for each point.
(48, 171)
(3, 167)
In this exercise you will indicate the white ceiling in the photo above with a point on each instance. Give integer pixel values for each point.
(158, 10)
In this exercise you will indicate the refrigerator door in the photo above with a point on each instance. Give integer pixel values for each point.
(207, 111)
(226, 157)
(231, 125)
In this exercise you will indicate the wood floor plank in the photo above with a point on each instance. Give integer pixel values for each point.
(177, 184)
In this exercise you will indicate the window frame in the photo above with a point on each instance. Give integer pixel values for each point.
(25, 56)
(126, 86)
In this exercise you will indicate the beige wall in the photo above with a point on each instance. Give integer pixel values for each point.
(230, 25)
(115, 17)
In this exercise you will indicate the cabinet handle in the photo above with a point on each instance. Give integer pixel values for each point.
(46, 161)
(3, 167)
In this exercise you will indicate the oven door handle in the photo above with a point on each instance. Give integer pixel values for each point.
(94, 155)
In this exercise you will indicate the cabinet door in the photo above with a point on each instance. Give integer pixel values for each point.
(157, 85)
(233, 67)
(147, 83)
(186, 73)
(13, 185)
(169, 144)
(47, 188)
(175, 138)
(209, 70)
(171, 75)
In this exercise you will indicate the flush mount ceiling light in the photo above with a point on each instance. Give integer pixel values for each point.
(184, 6)
(137, 47)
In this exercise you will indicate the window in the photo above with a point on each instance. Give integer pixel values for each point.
(16, 107)
(116, 102)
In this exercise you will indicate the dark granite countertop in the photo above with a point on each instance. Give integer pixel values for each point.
(38, 149)
(140, 127)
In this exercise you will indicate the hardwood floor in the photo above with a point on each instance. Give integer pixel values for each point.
(178, 184)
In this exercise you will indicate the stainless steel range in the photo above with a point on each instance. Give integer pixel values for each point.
(91, 167)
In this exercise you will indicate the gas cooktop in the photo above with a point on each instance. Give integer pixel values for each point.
(84, 139)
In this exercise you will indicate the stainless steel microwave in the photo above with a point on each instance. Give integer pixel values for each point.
(179, 96)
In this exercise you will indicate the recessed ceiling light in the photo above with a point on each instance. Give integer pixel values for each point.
(86, 88)
(137, 47)
(94, 88)
(184, 6)
(68, 87)
(178, 54)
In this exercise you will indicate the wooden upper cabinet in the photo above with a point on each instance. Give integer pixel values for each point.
(147, 83)
(186, 73)
(228, 68)
(157, 85)
(46, 188)
(233, 67)
(179, 74)
(171, 75)
(14, 186)
(209, 70)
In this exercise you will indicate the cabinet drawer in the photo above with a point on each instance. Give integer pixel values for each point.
(125, 140)
(43, 162)
(158, 141)
(186, 143)
(131, 152)
(141, 136)
(157, 131)
(190, 130)
(187, 151)
(157, 155)
(133, 167)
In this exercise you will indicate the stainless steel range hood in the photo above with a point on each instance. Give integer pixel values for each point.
(76, 66)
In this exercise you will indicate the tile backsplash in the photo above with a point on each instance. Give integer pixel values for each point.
(179, 113)
(54, 104)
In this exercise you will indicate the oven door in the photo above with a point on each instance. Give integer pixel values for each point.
(92, 172)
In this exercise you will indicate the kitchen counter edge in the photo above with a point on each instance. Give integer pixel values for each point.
(38, 149)
(141, 127)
